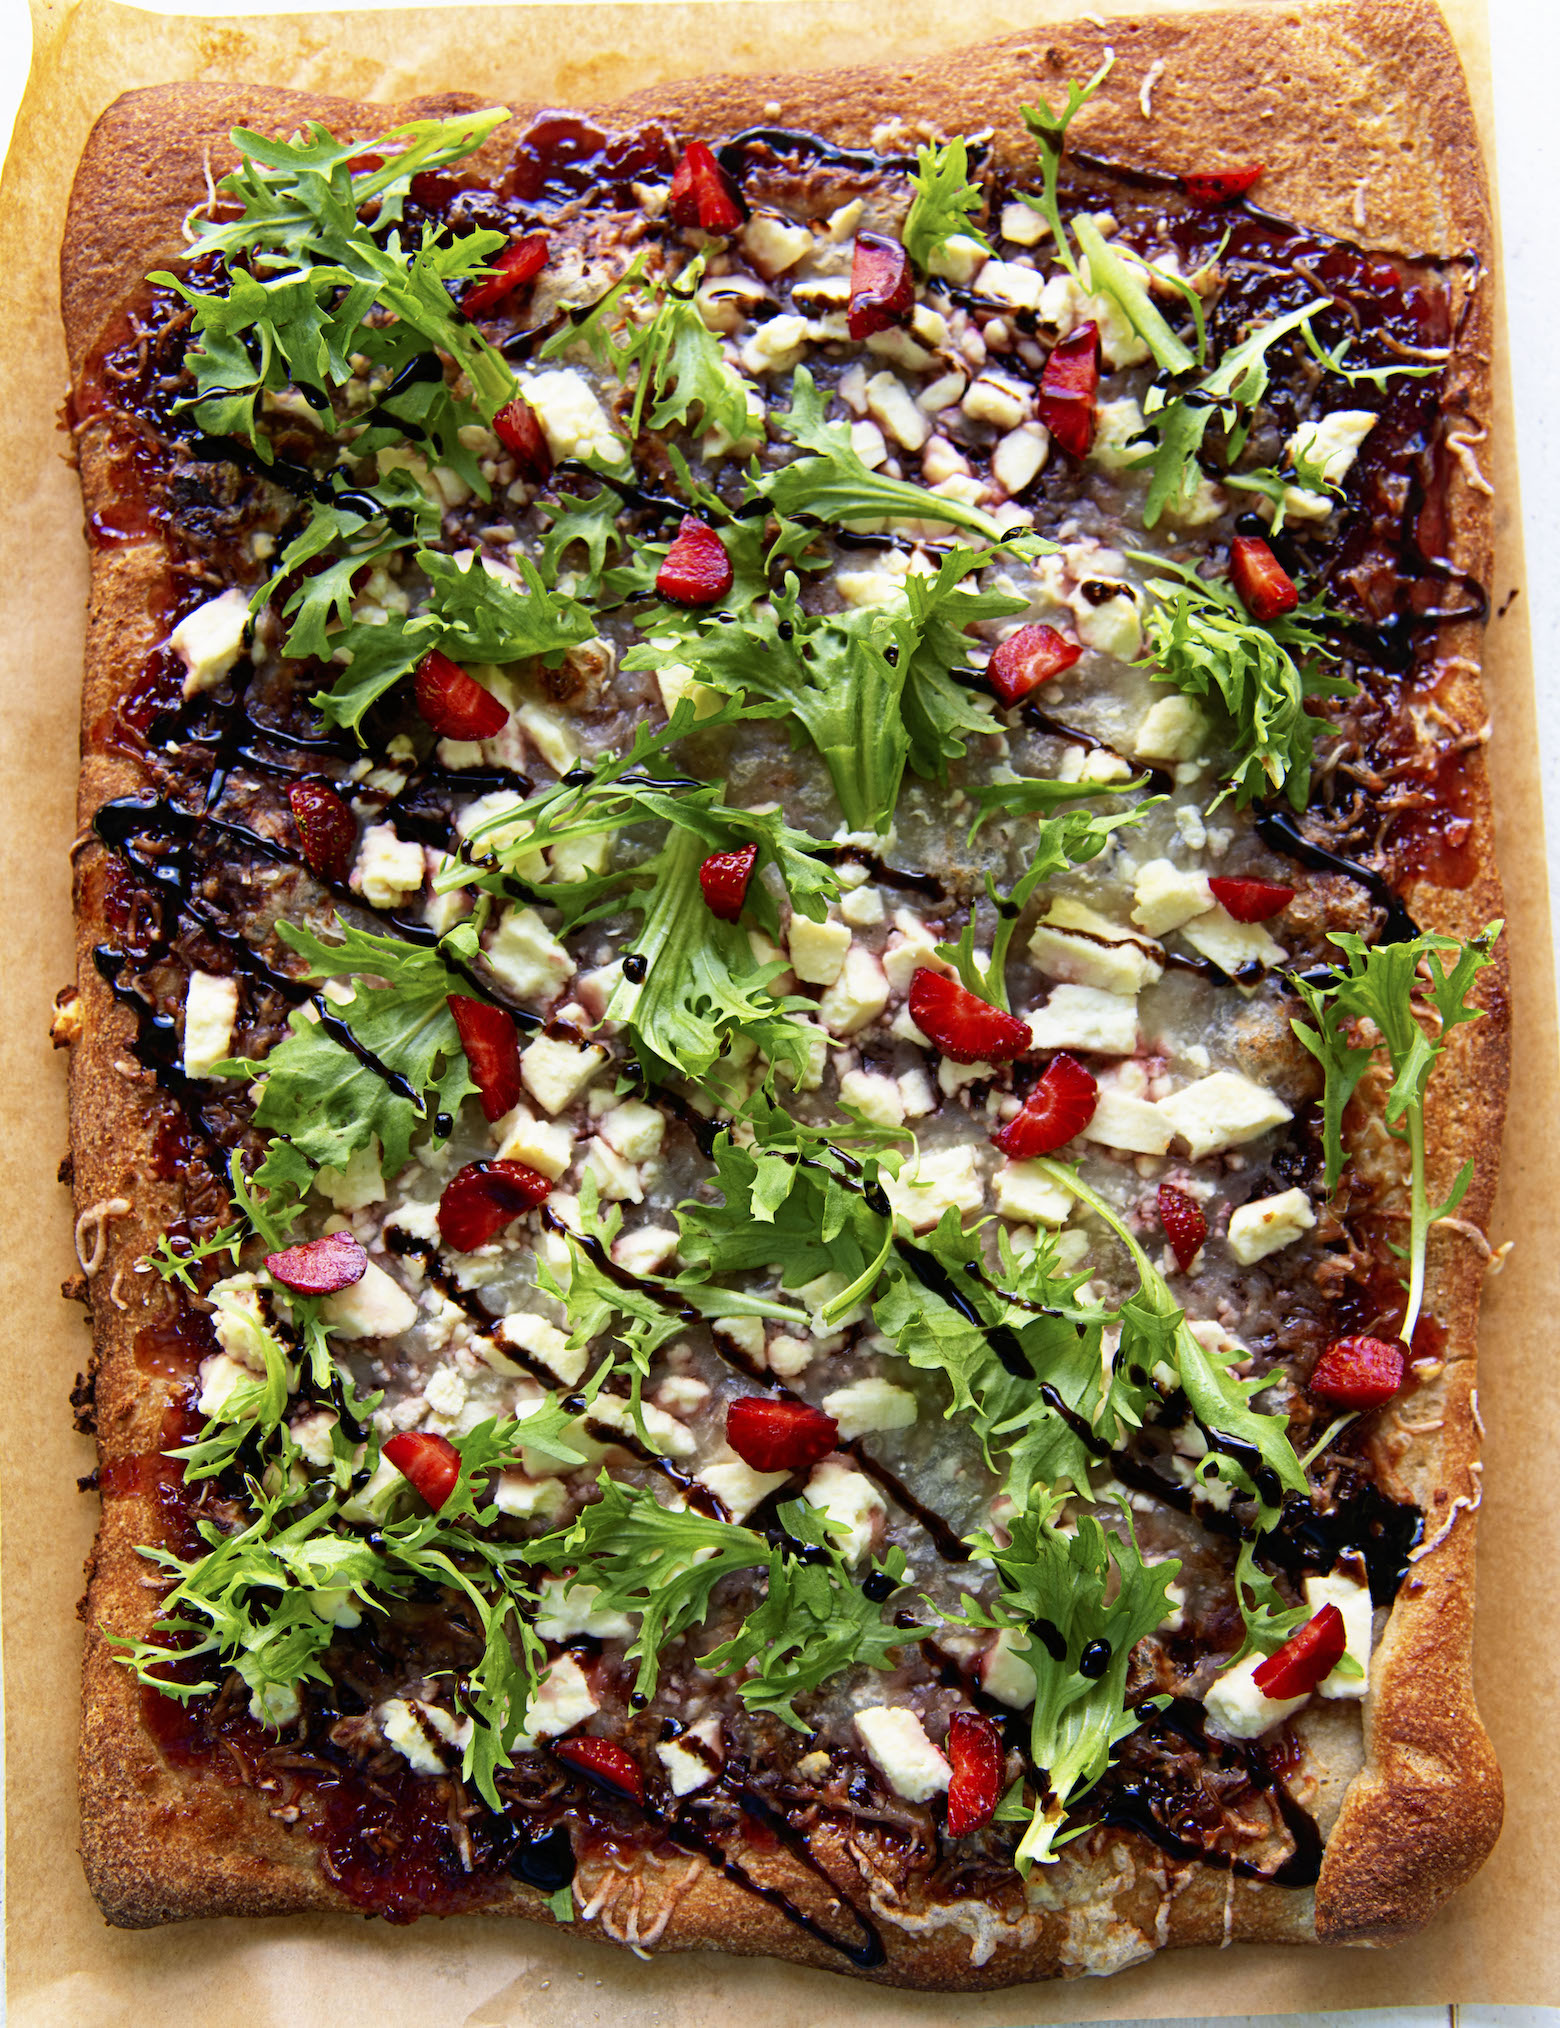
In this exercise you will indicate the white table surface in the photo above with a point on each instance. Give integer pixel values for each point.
(1525, 40)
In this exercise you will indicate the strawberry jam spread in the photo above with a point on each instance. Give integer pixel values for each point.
(549, 1221)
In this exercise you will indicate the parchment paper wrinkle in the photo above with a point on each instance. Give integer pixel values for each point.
(1498, 1942)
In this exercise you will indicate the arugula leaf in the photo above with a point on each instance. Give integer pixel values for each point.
(1110, 275)
(937, 710)
(1050, 132)
(1059, 1594)
(1379, 985)
(1201, 640)
(945, 201)
(1276, 486)
(1060, 842)
(831, 483)
(320, 1096)
(814, 1620)
(1036, 796)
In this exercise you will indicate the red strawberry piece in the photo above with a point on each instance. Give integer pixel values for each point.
(431, 1462)
(975, 1754)
(1060, 1105)
(481, 1199)
(1184, 1224)
(1358, 1372)
(455, 704)
(1266, 589)
(1251, 900)
(1066, 398)
(961, 1024)
(1305, 1658)
(724, 877)
(1028, 658)
(604, 1761)
(493, 1052)
(697, 570)
(319, 1266)
(702, 193)
(882, 288)
(779, 1436)
(518, 430)
(1220, 185)
(327, 829)
(520, 262)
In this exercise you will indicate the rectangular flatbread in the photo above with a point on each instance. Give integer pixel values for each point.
(790, 1037)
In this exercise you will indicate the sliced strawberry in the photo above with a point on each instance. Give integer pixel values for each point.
(1266, 589)
(518, 430)
(1184, 1224)
(1358, 1372)
(1028, 658)
(319, 1266)
(431, 1462)
(1305, 1658)
(1061, 1105)
(976, 1757)
(492, 1051)
(724, 877)
(481, 1199)
(882, 288)
(327, 829)
(697, 570)
(520, 262)
(962, 1025)
(455, 704)
(604, 1761)
(1220, 185)
(1067, 387)
(1251, 900)
(779, 1436)
(702, 193)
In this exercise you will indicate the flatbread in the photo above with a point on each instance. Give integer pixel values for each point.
(1360, 115)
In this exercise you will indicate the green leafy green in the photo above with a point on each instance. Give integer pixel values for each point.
(1050, 132)
(1380, 985)
(1111, 275)
(1059, 1594)
(945, 202)
(1254, 678)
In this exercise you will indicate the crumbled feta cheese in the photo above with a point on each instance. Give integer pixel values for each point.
(357, 1186)
(527, 957)
(862, 908)
(219, 1377)
(563, 1700)
(210, 640)
(673, 1438)
(916, 1093)
(1082, 1017)
(634, 1129)
(572, 418)
(1172, 729)
(1105, 959)
(1108, 622)
(1231, 945)
(818, 949)
(941, 1179)
(445, 1388)
(210, 1010)
(387, 868)
(1020, 456)
(875, 1096)
(565, 1611)
(993, 398)
(788, 1356)
(897, 1743)
(1333, 443)
(688, 1769)
(1268, 1224)
(311, 1433)
(890, 405)
(776, 346)
(376, 1306)
(1237, 1709)
(1008, 282)
(869, 444)
(959, 259)
(1352, 1600)
(527, 1498)
(1025, 1193)
(1133, 1125)
(275, 1705)
(1022, 224)
(850, 1500)
(911, 946)
(857, 997)
(677, 681)
(1005, 1674)
(871, 1404)
(553, 740)
(645, 1250)
(544, 1145)
(430, 1739)
(617, 1181)
(773, 243)
(1115, 423)
(737, 1486)
(556, 1072)
(1165, 897)
(526, 1332)
(1222, 1111)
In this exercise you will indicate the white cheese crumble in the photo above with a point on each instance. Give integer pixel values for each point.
(1222, 1111)
(1268, 1224)
(865, 1406)
(851, 1500)
(900, 1750)
(686, 1770)
(210, 640)
(406, 1723)
(1353, 1601)
(210, 1010)
(1084, 1017)
(374, 1307)
(572, 418)
(1237, 1709)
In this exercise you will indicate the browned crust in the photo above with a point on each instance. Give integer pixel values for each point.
(1349, 103)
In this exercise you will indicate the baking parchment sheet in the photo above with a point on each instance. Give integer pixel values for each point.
(1499, 1941)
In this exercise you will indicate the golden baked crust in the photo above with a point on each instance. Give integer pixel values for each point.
(1359, 110)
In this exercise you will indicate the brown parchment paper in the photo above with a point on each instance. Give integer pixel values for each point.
(1498, 1942)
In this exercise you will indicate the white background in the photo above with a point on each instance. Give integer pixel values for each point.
(1525, 41)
